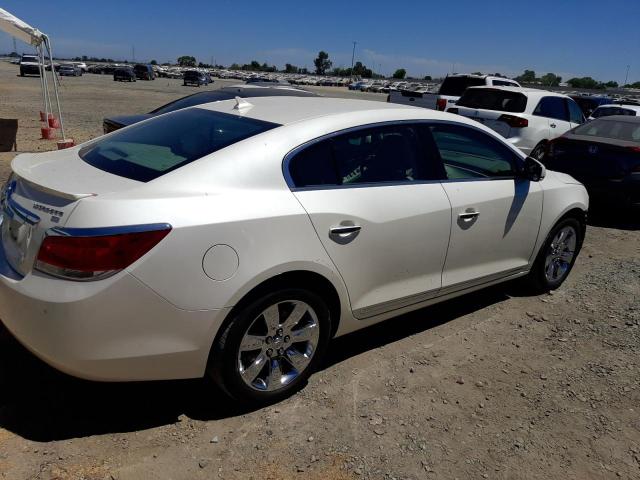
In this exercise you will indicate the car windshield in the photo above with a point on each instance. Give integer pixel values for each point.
(455, 86)
(616, 129)
(192, 100)
(150, 149)
(491, 99)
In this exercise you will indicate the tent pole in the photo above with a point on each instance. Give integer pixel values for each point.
(55, 85)
(42, 73)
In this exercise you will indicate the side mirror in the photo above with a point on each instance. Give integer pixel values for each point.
(533, 170)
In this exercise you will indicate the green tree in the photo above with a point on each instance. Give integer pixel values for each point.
(153, 62)
(400, 73)
(611, 84)
(529, 76)
(585, 82)
(551, 80)
(187, 61)
(289, 68)
(428, 78)
(361, 70)
(322, 63)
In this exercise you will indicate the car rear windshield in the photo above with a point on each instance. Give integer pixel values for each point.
(192, 100)
(608, 111)
(150, 149)
(191, 74)
(455, 86)
(490, 99)
(616, 129)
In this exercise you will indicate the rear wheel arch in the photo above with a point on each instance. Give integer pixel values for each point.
(303, 279)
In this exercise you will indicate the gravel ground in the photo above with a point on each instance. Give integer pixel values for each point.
(495, 384)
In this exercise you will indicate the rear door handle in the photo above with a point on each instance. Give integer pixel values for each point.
(345, 230)
(553, 125)
(468, 215)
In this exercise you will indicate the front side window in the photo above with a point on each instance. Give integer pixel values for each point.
(552, 107)
(470, 153)
(150, 149)
(370, 156)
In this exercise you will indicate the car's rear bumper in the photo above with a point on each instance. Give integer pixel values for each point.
(110, 330)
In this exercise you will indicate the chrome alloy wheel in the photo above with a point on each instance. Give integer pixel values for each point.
(278, 345)
(560, 254)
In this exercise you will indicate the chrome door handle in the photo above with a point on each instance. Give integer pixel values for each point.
(553, 125)
(344, 230)
(468, 215)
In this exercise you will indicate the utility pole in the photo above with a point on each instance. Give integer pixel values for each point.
(353, 56)
(626, 77)
(15, 48)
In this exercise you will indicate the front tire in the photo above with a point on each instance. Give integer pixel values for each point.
(272, 346)
(557, 256)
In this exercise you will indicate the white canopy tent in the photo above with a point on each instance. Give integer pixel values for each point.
(28, 34)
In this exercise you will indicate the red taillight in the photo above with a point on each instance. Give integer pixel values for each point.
(441, 104)
(634, 149)
(514, 121)
(452, 110)
(92, 257)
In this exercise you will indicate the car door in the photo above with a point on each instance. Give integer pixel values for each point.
(556, 112)
(495, 214)
(380, 211)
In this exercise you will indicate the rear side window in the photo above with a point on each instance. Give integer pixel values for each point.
(608, 111)
(455, 86)
(552, 107)
(469, 153)
(150, 149)
(371, 155)
(493, 99)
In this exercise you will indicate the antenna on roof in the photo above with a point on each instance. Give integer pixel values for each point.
(242, 104)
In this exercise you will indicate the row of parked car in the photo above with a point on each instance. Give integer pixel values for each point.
(593, 138)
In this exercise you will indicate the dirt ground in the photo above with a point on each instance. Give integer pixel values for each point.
(495, 384)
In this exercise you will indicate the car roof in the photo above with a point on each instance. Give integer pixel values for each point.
(288, 110)
(630, 106)
(529, 91)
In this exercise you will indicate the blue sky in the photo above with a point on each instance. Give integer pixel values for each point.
(570, 37)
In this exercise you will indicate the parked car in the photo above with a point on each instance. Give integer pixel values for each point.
(82, 66)
(194, 77)
(29, 65)
(588, 103)
(604, 155)
(630, 110)
(356, 85)
(69, 69)
(527, 117)
(124, 74)
(144, 72)
(235, 239)
(111, 124)
(449, 93)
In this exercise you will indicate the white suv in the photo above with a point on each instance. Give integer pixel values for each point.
(527, 118)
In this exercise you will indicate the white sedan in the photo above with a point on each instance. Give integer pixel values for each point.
(235, 239)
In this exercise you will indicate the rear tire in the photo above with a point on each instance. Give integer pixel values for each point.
(556, 256)
(271, 346)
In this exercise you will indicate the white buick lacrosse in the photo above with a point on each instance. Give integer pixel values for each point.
(235, 239)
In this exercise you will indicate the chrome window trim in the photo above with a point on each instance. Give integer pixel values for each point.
(293, 152)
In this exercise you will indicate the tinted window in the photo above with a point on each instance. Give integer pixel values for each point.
(504, 83)
(619, 130)
(195, 99)
(455, 86)
(575, 114)
(492, 99)
(469, 153)
(150, 149)
(552, 107)
(607, 111)
(372, 155)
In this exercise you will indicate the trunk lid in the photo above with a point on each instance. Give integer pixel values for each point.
(41, 194)
(490, 118)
